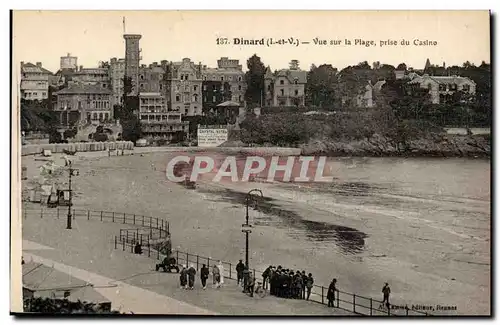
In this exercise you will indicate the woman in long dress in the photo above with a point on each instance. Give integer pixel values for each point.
(221, 272)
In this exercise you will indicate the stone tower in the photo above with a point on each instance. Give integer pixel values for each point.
(132, 59)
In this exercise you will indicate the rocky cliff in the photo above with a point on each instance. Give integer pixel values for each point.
(431, 146)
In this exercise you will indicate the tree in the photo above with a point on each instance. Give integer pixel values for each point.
(320, 87)
(402, 66)
(255, 81)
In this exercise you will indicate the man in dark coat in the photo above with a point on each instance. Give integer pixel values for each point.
(386, 291)
(309, 285)
(331, 293)
(304, 281)
(191, 276)
(265, 277)
(240, 267)
(183, 277)
(204, 273)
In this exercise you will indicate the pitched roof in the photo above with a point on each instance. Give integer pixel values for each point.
(229, 104)
(83, 89)
(440, 79)
(299, 75)
(45, 281)
(30, 67)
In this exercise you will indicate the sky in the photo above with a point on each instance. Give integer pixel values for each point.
(93, 36)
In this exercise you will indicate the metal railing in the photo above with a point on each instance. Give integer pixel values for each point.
(356, 304)
(155, 228)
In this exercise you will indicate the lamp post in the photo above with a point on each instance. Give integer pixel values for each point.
(72, 172)
(246, 226)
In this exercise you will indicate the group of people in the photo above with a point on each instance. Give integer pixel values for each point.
(281, 282)
(187, 276)
(286, 283)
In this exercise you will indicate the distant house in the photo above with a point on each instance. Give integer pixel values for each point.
(34, 81)
(441, 88)
(286, 87)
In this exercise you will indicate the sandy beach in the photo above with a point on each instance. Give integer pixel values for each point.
(421, 225)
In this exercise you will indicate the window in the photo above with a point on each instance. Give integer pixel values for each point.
(466, 88)
(195, 98)
(204, 77)
(177, 98)
(142, 85)
(35, 94)
(453, 87)
(239, 98)
(79, 105)
(142, 77)
(186, 88)
(282, 92)
(269, 87)
(100, 117)
(296, 92)
(104, 85)
(106, 116)
(161, 86)
(222, 78)
(44, 94)
(442, 87)
(230, 78)
(296, 82)
(239, 78)
(282, 82)
(177, 87)
(204, 87)
(214, 87)
(213, 99)
(239, 87)
(195, 88)
(186, 77)
(94, 116)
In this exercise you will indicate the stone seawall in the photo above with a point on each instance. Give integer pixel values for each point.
(258, 151)
(32, 149)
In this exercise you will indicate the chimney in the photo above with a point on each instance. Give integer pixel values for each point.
(22, 63)
(294, 65)
(39, 64)
(81, 68)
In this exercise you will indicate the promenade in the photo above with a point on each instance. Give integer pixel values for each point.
(130, 282)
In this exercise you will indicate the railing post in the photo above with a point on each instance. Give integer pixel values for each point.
(150, 222)
(177, 252)
(41, 213)
(156, 223)
(149, 249)
(157, 253)
(143, 220)
(123, 245)
(134, 218)
(123, 217)
(57, 213)
(187, 260)
(115, 242)
(101, 215)
(132, 249)
(354, 303)
(406, 310)
(141, 239)
(388, 310)
(371, 306)
(322, 295)
(113, 216)
(197, 260)
(230, 271)
(74, 214)
(338, 296)
(88, 214)
(208, 263)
